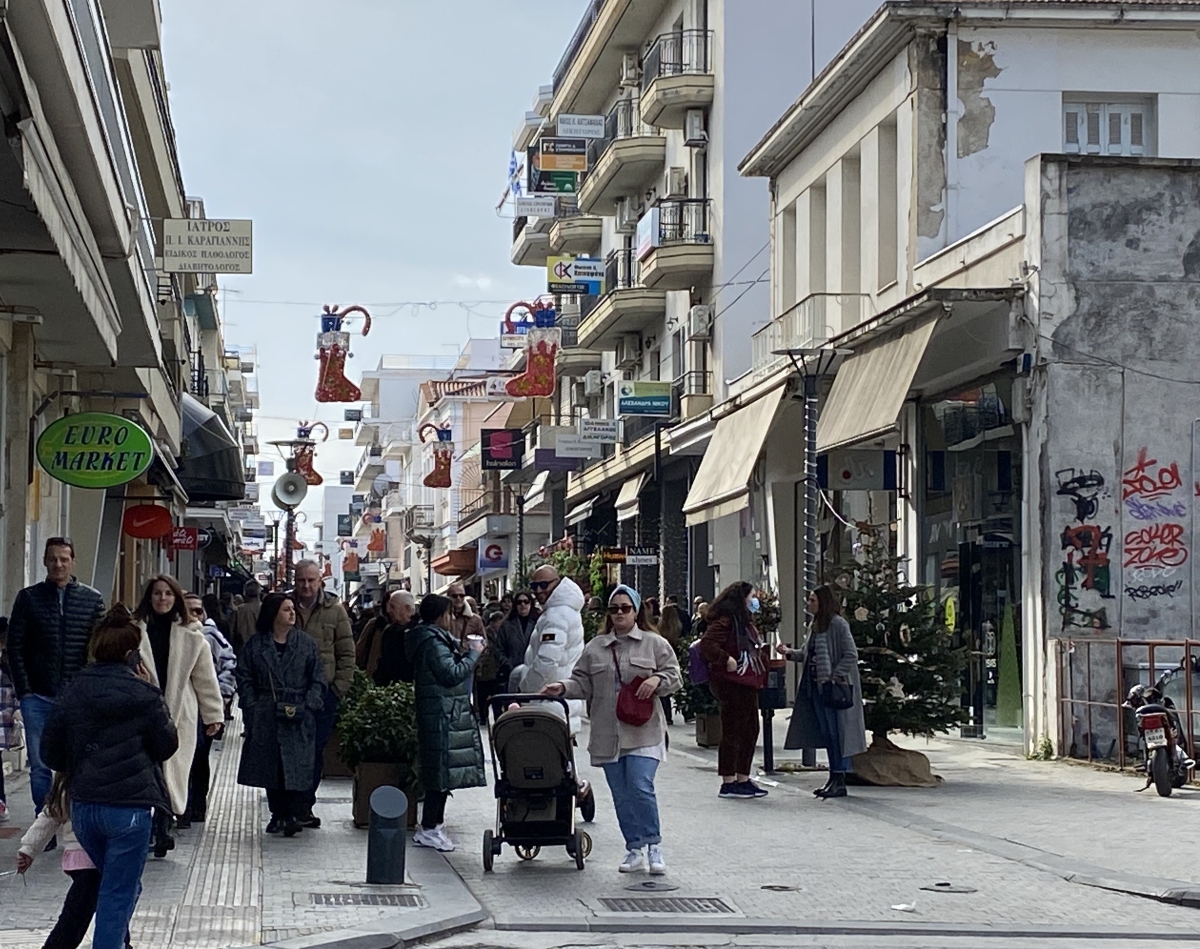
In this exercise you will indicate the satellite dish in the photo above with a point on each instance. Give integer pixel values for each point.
(289, 490)
(381, 485)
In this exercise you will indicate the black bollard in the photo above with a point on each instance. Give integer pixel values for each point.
(386, 835)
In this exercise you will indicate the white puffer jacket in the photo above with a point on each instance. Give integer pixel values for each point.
(556, 644)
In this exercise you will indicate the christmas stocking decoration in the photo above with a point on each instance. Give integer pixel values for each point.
(333, 346)
(443, 455)
(304, 454)
(541, 347)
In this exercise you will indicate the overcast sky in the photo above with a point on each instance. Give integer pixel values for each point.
(368, 140)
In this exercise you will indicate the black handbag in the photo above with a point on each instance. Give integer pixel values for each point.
(284, 711)
(837, 695)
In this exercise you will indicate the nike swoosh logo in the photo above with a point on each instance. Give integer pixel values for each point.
(142, 522)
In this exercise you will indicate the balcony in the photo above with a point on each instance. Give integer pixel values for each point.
(628, 158)
(574, 232)
(692, 394)
(419, 517)
(809, 323)
(531, 241)
(676, 76)
(682, 254)
(627, 307)
(490, 510)
(573, 359)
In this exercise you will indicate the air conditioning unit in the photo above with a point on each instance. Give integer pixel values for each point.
(629, 350)
(631, 70)
(244, 415)
(627, 216)
(675, 183)
(700, 320)
(579, 395)
(593, 383)
(694, 134)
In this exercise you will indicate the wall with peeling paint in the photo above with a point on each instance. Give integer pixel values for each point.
(1011, 84)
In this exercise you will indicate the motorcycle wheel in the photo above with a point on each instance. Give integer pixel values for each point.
(1160, 770)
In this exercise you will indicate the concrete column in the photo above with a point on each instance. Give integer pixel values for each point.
(870, 168)
(673, 559)
(18, 407)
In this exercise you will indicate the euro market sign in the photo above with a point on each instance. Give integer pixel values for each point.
(198, 245)
(94, 450)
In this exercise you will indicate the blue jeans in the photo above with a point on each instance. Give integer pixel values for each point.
(631, 781)
(116, 839)
(830, 735)
(35, 709)
(325, 720)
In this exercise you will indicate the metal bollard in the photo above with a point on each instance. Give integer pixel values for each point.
(386, 835)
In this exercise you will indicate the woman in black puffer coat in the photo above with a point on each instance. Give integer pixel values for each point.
(110, 731)
(451, 754)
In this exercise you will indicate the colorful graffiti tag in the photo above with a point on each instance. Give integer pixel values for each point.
(1156, 548)
(1086, 571)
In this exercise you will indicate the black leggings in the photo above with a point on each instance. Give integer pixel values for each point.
(78, 909)
(285, 804)
(434, 812)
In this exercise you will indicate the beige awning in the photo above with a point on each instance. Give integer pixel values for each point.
(580, 513)
(537, 497)
(627, 497)
(722, 485)
(870, 388)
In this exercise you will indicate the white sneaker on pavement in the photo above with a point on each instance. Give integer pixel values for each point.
(444, 844)
(658, 866)
(3, 812)
(435, 838)
(632, 862)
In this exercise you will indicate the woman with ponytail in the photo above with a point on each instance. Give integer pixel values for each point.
(110, 730)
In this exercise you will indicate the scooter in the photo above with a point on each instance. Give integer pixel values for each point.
(1166, 762)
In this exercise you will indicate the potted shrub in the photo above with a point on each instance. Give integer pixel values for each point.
(378, 732)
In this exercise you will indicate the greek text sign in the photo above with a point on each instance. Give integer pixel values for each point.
(196, 245)
(94, 450)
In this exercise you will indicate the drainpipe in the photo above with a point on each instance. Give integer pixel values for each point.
(952, 114)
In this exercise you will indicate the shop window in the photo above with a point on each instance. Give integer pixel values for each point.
(1109, 128)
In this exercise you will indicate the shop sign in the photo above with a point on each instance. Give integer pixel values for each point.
(575, 275)
(641, 556)
(612, 554)
(147, 521)
(492, 554)
(542, 181)
(857, 470)
(546, 459)
(581, 126)
(192, 245)
(352, 415)
(576, 446)
(502, 448)
(535, 205)
(346, 434)
(512, 335)
(346, 477)
(647, 233)
(602, 431)
(203, 538)
(644, 398)
(185, 538)
(564, 154)
(266, 469)
(94, 450)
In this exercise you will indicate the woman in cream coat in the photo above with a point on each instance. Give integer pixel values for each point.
(180, 663)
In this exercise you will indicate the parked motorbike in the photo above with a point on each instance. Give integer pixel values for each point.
(1160, 733)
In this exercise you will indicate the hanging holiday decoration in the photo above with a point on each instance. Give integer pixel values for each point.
(542, 340)
(443, 455)
(303, 450)
(333, 346)
(378, 542)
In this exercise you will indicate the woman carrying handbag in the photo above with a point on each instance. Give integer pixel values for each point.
(829, 709)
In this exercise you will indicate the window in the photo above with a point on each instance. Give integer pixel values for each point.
(1108, 128)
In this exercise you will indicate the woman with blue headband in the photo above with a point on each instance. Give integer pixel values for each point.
(624, 672)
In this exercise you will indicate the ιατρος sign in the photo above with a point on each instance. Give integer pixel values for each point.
(197, 245)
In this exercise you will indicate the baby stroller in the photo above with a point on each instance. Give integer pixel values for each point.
(537, 786)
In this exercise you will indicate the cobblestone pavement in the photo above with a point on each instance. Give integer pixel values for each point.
(791, 856)
(226, 883)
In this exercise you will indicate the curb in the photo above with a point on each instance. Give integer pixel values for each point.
(451, 907)
(785, 927)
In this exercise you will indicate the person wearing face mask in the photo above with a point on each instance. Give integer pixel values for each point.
(625, 651)
(737, 661)
(513, 638)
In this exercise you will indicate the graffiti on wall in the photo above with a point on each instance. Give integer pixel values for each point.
(1153, 549)
(1084, 579)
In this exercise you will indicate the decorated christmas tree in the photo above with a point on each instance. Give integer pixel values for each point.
(911, 670)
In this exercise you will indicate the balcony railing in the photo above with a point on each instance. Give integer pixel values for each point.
(682, 53)
(518, 226)
(809, 323)
(696, 382)
(621, 270)
(623, 121)
(578, 38)
(683, 221)
(481, 502)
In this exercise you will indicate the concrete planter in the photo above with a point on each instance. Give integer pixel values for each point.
(708, 730)
(371, 775)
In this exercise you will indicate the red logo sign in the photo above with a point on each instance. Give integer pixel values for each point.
(147, 521)
(185, 538)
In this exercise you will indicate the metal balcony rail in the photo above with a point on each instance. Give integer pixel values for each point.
(809, 323)
(518, 226)
(694, 382)
(621, 270)
(682, 53)
(578, 38)
(683, 221)
(1095, 675)
(624, 120)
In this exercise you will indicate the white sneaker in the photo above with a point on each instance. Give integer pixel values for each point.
(658, 866)
(3, 812)
(632, 862)
(435, 839)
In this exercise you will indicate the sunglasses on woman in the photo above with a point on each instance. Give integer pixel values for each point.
(618, 608)
(524, 603)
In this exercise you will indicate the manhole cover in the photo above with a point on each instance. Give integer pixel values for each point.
(367, 899)
(664, 904)
(949, 888)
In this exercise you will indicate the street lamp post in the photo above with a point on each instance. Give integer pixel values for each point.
(812, 365)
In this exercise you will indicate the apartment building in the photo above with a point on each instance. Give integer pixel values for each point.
(984, 212)
(683, 88)
(89, 321)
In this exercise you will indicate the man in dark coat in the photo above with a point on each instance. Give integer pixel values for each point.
(390, 664)
(48, 634)
(450, 752)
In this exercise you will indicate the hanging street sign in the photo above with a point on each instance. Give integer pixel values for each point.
(564, 154)
(198, 245)
(146, 521)
(535, 205)
(576, 446)
(581, 126)
(203, 537)
(641, 556)
(603, 431)
(492, 554)
(542, 181)
(502, 448)
(94, 450)
(578, 275)
(644, 398)
(185, 538)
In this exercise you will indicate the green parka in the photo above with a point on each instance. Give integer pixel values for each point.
(451, 753)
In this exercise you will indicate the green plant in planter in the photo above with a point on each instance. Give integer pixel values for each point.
(378, 724)
(692, 700)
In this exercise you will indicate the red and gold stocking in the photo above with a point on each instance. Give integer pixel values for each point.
(332, 384)
(541, 347)
(304, 465)
(443, 455)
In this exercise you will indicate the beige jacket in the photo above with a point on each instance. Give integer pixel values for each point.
(641, 653)
(329, 624)
(193, 696)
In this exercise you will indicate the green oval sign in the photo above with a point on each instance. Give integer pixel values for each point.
(94, 450)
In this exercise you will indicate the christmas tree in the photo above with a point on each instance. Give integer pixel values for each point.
(911, 670)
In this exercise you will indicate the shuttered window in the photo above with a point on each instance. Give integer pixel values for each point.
(1108, 128)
